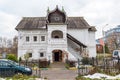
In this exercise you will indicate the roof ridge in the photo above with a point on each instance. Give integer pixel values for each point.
(33, 17)
(76, 17)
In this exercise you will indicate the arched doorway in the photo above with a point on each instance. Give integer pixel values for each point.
(57, 55)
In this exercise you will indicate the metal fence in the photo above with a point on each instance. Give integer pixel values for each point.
(107, 65)
(35, 65)
(7, 72)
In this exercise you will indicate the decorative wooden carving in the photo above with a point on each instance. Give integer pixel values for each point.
(56, 16)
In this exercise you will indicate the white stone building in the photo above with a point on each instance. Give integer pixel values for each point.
(56, 37)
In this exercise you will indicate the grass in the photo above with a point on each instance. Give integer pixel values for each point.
(99, 70)
(20, 77)
(107, 55)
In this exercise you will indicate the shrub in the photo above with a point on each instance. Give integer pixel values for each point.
(12, 57)
(67, 66)
(23, 77)
(45, 77)
(20, 59)
(85, 61)
(44, 63)
(70, 63)
(82, 78)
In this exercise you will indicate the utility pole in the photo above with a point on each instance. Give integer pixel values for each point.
(103, 33)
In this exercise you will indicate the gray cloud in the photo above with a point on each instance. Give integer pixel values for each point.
(96, 12)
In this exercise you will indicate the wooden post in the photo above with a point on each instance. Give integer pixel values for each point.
(78, 67)
(39, 73)
(93, 61)
(118, 63)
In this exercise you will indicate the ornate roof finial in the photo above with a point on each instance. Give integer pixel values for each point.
(48, 10)
(63, 9)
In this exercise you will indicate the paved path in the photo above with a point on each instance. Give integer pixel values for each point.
(57, 65)
(58, 72)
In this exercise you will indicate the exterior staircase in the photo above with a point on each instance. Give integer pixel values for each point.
(74, 47)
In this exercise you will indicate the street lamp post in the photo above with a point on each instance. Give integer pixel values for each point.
(103, 33)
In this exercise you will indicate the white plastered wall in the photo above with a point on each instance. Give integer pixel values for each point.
(32, 47)
(87, 38)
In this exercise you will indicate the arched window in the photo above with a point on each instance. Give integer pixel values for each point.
(57, 34)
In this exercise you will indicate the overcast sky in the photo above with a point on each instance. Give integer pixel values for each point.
(96, 12)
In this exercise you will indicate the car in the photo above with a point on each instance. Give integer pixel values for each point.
(116, 54)
(10, 68)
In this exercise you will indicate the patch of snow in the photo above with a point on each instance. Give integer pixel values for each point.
(117, 76)
(2, 79)
(39, 79)
(100, 75)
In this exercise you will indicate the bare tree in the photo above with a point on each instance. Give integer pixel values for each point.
(113, 41)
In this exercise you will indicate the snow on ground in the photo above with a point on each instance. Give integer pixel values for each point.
(117, 76)
(96, 75)
(100, 75)
(2, 79)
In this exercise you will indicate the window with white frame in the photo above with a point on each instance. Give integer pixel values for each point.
(34, 38)
(41, 54)
(42, 38)
(30, 54)
(27, 39)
